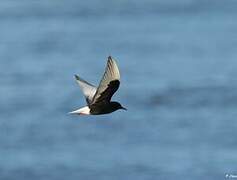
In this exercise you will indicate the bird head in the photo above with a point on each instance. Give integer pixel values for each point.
(117, 106)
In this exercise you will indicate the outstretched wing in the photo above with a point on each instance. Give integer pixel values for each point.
(88, 89)
(109, 83)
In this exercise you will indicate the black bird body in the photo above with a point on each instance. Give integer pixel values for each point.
(105, 108)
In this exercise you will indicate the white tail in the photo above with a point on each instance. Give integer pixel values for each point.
(82, 111)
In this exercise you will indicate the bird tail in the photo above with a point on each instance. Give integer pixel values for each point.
(82, 111)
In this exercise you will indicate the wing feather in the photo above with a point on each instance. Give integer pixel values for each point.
(88, 89)
(109, 83)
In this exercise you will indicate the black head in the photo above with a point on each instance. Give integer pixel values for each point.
(116, 106)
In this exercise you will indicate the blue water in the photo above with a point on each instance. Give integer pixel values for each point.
(178, 63)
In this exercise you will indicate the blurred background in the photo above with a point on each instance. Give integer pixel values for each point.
(178, 63)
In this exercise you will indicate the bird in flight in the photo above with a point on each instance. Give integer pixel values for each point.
(99, 99)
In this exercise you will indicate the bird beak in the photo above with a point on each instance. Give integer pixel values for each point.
(124, 108)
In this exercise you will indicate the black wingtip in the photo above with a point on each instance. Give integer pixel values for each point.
(77, 77)
(110, 58)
